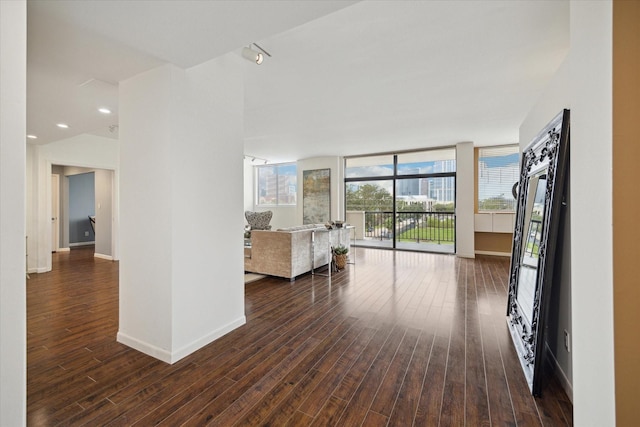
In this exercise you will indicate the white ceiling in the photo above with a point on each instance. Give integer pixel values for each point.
(344, 77)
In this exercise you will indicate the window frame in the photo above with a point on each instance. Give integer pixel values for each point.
(478, 181)
(277, 167)
(395, 177)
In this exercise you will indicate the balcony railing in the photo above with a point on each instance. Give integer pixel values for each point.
(532, 245)
(427, 227)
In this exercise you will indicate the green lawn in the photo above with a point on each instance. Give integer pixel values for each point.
(446, 235)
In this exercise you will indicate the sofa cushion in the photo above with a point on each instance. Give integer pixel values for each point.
(259, 220)
(301, 227)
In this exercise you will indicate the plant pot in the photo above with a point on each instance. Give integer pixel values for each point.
(341, 261)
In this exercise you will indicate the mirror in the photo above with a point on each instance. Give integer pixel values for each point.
(542, 176)
(530, 253)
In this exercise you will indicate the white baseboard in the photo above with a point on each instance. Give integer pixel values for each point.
(507, 254)
(37, 270)
(562, 377)
(172, 357)
(73, 245)
(63, 250)
(465, 255)
(102, 256)
(201, 342)
(144, 347)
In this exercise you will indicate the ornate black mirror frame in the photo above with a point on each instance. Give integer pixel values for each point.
(540, 199)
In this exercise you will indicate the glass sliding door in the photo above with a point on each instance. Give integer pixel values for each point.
(404, 201)
(370, 207)
(425, 214)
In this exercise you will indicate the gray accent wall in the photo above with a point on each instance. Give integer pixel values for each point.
(82, 196)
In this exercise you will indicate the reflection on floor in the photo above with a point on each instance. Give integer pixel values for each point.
(410, 246)
(252, 277)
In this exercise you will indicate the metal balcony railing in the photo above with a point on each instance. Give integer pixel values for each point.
(431, 227)
(532, 246)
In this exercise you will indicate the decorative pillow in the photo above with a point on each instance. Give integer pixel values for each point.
(259, 220)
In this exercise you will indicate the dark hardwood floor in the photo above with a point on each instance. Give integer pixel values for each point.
(398, 339)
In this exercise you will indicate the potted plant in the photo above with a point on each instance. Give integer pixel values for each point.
(340, 254)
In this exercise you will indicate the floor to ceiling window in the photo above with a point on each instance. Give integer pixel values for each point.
(404, 200)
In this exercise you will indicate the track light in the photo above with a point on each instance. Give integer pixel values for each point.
(252, 55)
(255, 160)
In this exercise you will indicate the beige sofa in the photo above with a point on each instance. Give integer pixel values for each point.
(287, 252)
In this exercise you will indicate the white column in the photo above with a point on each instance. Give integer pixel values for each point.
(13, 102)
(181, 207)
(591, 185)
(465, 237)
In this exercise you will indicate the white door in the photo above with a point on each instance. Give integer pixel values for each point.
(55, 212)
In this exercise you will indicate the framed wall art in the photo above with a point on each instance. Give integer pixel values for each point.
(316, 196)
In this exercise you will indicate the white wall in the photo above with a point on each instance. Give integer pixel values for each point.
(283, 216)
(465, 194)
(210, 217)
(584, 84)
(13, 361)
(146, 211)
(249, 185)
(591, 184)
(88, 151)
(104, 210)
(181, 283)
(336, 165)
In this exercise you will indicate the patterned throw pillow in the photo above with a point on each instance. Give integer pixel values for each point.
(259, 220)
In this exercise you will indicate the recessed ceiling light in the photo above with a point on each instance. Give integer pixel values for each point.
(104, 110)
(63, 125)
(32, 137)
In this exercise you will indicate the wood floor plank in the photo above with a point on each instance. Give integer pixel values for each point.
(330, 412)
(453, 394)
(296, 352)
(476, 403)
(148, 396)
(398, 339)
(298, 419)
(498, 395)
(374, 419)
(209, 386)
(391, 384)
(366, 391)
(359, 369)
(277, 411)
(319, 396)
(405, 407)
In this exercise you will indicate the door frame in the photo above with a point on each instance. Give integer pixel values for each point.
(55, 212)
(41, 254)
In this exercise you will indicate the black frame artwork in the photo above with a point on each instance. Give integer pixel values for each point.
(540, 200)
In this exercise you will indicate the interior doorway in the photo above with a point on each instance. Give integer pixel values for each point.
(86, 203)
